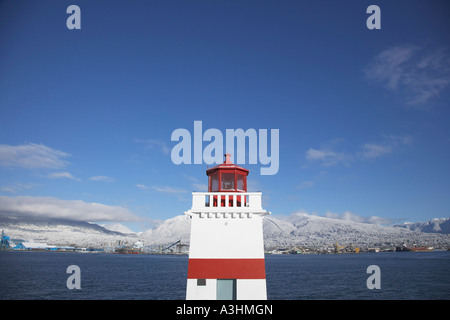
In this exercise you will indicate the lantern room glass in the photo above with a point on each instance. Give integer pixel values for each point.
(240, 184)
(227, 181)
(215, 182)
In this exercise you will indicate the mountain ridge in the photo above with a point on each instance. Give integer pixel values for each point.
(298, 229)
(436, 225)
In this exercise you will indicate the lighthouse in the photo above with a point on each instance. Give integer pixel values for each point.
(226, 254)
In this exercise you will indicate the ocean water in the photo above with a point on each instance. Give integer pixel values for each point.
(405, 275)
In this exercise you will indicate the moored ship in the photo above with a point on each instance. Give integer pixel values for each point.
(422, 249)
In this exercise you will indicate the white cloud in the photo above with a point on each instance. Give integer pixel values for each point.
(156, 144)
(399, 139)
(371, 150)
(31, 156)
(379, 220)
(349, 216)
(16, 187)
(102, 179)
(388, 66)
(8, 189)
(166, 189)
(163, 189)
(328, 157)
(49, 207)
(193, 179)
(388, 144)
(200, 187)
(305, 185)
(419, 75)
(65, 174)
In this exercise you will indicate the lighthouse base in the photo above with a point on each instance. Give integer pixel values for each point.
(226, 252)
(226, 289)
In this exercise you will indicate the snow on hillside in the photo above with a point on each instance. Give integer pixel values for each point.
(441, 225)
(279, 231)
(118, 228)
(63, 232)
(171, 230)
(310, 230)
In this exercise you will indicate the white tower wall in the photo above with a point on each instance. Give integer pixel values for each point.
(226, 245)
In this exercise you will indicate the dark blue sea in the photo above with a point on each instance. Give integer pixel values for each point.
(403, 275)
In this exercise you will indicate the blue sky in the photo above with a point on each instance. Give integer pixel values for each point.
(86, 116)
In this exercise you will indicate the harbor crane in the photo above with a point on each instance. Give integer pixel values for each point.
(173, 244)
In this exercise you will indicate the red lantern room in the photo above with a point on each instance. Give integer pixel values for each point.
(227, 177)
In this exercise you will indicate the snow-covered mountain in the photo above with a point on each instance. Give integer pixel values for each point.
(171, 230)
(279, 231)
(310, 231)
(117, 227)
(441, 225)
(63, 232)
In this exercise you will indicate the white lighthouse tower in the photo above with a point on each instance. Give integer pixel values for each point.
(226, 255)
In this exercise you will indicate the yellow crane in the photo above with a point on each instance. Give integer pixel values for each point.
(337, 248)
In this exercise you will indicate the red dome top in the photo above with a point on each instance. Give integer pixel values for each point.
(227, 177)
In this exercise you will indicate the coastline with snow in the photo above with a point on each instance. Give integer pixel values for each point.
(298, 231)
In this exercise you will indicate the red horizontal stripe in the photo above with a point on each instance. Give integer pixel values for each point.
(226, 269)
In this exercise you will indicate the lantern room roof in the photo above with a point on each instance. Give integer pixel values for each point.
(226, 165)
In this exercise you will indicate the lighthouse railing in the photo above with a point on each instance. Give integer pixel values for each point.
(226, 201)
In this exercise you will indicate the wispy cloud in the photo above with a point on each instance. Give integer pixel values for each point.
(346, 216)
(200, 187)
(166, 189)
(388, 66)
(49, 207)
(8, 189)
(371, 151)
(163, 189)
(156, 144)
(65, 174)
(305, 185)
(102, 179)
(416, 73)
(349, 216)
(328, 157)
(32, 156)
(17, 187)
(196, 184)
(387, 144)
